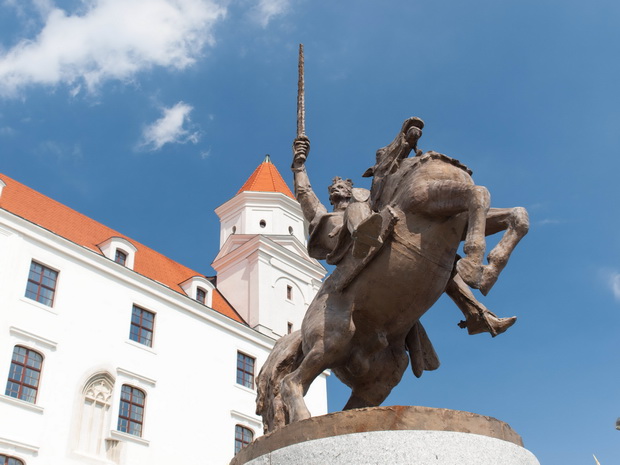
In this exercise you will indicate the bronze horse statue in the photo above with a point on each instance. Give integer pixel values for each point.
(363, 324)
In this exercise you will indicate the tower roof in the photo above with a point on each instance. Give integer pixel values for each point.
(266, 178)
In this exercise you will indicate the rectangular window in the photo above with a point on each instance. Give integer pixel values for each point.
(142, 324)
(120, 257)
(289, 292)
(41, 284)
(245, 370)
(289, 327)
(24, 374)
(201, 295)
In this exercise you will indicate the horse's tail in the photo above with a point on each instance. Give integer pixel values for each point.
(285, 358)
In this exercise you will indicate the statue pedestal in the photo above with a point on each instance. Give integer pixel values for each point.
(390, 435)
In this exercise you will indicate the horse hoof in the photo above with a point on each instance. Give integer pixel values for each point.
(488, 279)
(470, 272)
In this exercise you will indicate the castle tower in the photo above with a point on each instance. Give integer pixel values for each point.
(263, 267)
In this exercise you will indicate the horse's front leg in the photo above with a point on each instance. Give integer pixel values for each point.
(516, 223)
(470, 268)
(444, 198)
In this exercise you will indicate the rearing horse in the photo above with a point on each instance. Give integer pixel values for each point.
(363, 322)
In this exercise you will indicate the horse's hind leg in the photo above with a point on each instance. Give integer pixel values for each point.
(327, 330)
(386, 372)
(294, 386)
(516, 223)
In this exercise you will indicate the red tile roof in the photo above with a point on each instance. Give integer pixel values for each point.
(266, 178)
(75, 227)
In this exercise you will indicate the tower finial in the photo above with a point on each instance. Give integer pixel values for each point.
(267, 159)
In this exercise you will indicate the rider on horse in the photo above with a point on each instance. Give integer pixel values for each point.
(353, 225)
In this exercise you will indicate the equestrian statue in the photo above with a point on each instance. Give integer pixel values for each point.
(395, 253)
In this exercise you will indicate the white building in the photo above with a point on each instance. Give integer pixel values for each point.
(114, 354)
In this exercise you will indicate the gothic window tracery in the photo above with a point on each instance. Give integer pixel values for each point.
(95, 415)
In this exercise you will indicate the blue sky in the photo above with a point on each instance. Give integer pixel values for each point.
(148, 114)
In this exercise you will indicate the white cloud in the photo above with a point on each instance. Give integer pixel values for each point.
(170, 128)
(614, 284)
(110, 39)
(266, 10)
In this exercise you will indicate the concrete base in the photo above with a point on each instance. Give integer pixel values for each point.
(394, 435)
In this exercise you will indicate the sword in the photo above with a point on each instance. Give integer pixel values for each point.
(301, 108)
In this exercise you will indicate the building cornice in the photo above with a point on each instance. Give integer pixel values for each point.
(90, 258)
(251, 244)
(258, 199)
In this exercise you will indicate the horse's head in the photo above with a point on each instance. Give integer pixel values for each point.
(390, 156)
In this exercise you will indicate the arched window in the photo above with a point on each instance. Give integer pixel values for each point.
(131, 411)
(6, 460)
(24, 374)
(243, 437)
(95, 417)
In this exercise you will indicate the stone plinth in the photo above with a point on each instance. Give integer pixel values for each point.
(390, 435)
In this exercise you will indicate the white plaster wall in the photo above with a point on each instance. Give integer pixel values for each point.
(247, 209)
(234, 283)
(227, 225)
(189, 375)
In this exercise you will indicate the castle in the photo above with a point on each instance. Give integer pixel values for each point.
(115, 354)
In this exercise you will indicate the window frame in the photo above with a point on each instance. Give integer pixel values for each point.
(121, 257)
(14, 460)
(39, 284)
(245, 378)
(201, 295)
(241, 442)
(137, 336)
(24, 371)
(128, 417)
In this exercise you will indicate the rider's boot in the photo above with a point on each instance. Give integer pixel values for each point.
(367, 235)
(487, 322)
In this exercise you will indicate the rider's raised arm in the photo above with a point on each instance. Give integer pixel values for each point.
(310, 204)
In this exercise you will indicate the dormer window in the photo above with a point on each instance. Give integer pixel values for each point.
(201, 295)
(120, 257)
(119, 250)
(198, 288)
